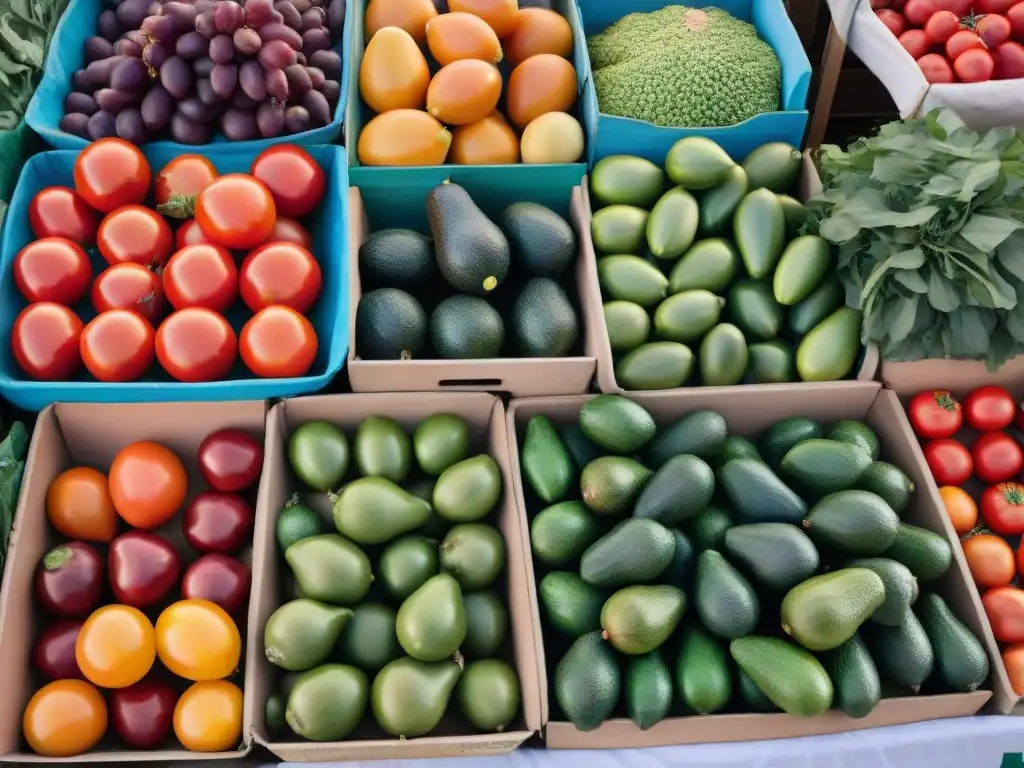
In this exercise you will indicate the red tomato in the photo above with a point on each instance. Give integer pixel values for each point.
(278, 343)
(1009, 58)
(236, 211)
(997, 457)
(201, 276)
(280, 273)
(290, 231)
(915, 43)
(935, 414)
(941, 26)
(129, 286)
(994, 30)
(1002, 508)
(949, 461)
(898, 5)
(964, 40)
(293, 178)
(148, 484)
(44, 341)
(135, 233)
(190, 233)
(1016, 18)
(110, 173)
(918, 12)
(1005, 609)
(196, 344)
(52, 269)
(994, 6)
(894, 21)
(878, 4)
(974, 66)
(61, 212)
(935, 68)
(1013, 660)
(117, 345)
(229, 460)
(179, 182)
(989, 408)
(960, 7)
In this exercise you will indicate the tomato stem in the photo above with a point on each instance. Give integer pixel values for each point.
(57, 558)
(178, 206)
(945, 401)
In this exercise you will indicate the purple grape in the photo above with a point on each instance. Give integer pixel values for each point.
(203, 67)
(99, 71)
(316, 104)
(276, 18)
(250, 79)
(298, 79)
(300, 58)
(269, 32)
(228, 16)
(332, 91)
(176, 77)
(243, 101)
(206, 26)
(335, 18)
(314, 40)
(296, 120)
(191, 46)
(155, 54)
(154, 8)
(239, 124)
(270, 119)
(276, 54)
(157, 107)
(327, 61)
(276, 84)
(202, 6)
(109, 27)
(76, 124)
(113, 101)
(163, 29)
(97, 48)
(131, 127)
(222, 49)
(258, 12)
(302, 5)
(224, 78)
(101, 125)
(131, 75)
(194, 109)
(127, 47)
(205, 92)
(135, 35)
(247, 41)
(131, 13)
(80, 102)
(316, 78)
(184, 14)
(80, 82)
(314, 18)
(289, 15)
(187, 131)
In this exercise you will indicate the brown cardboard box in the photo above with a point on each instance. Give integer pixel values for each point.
(486, 418)
(749, 415)
(70, 434)
(597, 337)
(960, 377)
(521, 377)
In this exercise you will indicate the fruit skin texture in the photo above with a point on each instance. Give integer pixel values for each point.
(455, 36)
(143, 568)
(490, 141)
(587, 681)
(638, 619)
(64, 718)
(990, 559)
(393, 73)
(217, 522)
(116, 646)
(989, 408)
(78, 505)
(538, 30)
(935, 414)
(949, 461)
(403, 137)
(208, 717)
(148, 484)
(177, 630)
(825, 611)
(45, 341)
(69, 580)
(141, 714)
(543, 83)
(1004, 607)
(1002, 508)
(961, 509)
(997, 457)
(725, 601)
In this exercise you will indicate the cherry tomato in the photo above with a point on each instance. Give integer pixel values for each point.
(994, 6)
(118, 345)
(1009, 58)
(293, 178)
(52, 269)
(989, 408)
(196, 344)
(208, 717)
(1002, 508)
(964, 40)
(148, 484)
(129, 286)
(990, 559)
(116, 647)
(179, 182)
(893, 20)
(142, 713)
(44, 341)
(935, 68)
(278, 343)
(53, 653)
(78, 505)
(1005, 609)
(190, 233)
(64, 718)
(135, 233)
(280, 273)
(69, 580)
(941, 26)
(898, 5)
(201, 276)
(877, 4)
(61, 212)
(935, 414)
(997, 457)
(236, 211)
(960, 508)
(290, 231)
(217, 522)
(220, 579)
(198, 640)
(994, 30)
(918, 12)
(949, 461)
(230, 460)
(110, 173)
(960, 7)
(143, 567)
(1016, 18)
(974, 66)
(915, 43)
(1013, 660)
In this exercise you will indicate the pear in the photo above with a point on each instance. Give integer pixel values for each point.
(431, 623)
(327, 703)
(382, 449)
(330, 568)
(302, 633)
(636, 620)
(409, 697)
(372, 510)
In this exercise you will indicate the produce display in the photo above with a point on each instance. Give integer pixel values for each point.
(491, 288)
(710, 282)
(681, 67)
(261, 68)
(151, 624)
(162, 296)
(447, 109)
(385, 617)
(684, 570)
(959, 41)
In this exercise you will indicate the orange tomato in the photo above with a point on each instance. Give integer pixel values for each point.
(78, 505)
(208, 717)
(198, 640)
(541, 84)
(148, 484)
(116, 646)
(538, 30)
(501, 15)
(403, 137)
(990, 559)
(1013, 660)
(455, 36)
(64, 718)
(960, 508)
(464, 91)
(393, 73)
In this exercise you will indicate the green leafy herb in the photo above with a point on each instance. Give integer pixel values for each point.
(12, 467)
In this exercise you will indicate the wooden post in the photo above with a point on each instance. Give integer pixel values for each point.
(828, 78)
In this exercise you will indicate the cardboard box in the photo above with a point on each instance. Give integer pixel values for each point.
(593, 303)
(749, 416)
(73, 434)
(960, 377)
(486, 418)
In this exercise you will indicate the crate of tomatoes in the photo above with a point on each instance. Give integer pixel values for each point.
(132, 275)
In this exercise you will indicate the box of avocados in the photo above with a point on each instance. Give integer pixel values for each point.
(731, 568)
(466, 279)
(392, 616)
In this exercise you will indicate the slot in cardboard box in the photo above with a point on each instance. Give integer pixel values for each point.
(749, 415)
(76, 434)
(486, 417)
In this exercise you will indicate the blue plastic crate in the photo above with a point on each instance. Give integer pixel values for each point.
(66, 56)
(328, 225)
(610, 135)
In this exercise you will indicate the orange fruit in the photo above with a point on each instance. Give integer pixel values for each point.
(116, 646)
(541, 84)
(393, 73)
(464, 91)
(960, 508)
(455, 36)
(990, 560)
(538, 30)
(198, 640)
(500, 15)
(490, 141)
(208, 717)
(64, 718)
(410, 15)
(78, 505)
(403, 137)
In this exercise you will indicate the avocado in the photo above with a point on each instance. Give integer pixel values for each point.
(409, 697)
(737, 447)
(302, 633)
(855, 676)
(581, 450)
(330, 568)
(431, 624)
(439, 442)
(468, 490)
(572, 606)
(825, 611)
(719, 203)
(545, 461)
(587, 681)
(687, 316)
(791, 677)
(318, 454)
(924, 552)
(723, 356)
(610, 485)
(697, 163)
(369, 641)
(619, 229)
(406, 564)
(625, 180)
(636, 551)
(830, 349)
(962, 661)
(859, 434)
(778, 555)
(396, 258)
(708, 527)
(628, 325)
(617, 424)
(889, 482)
(486, 623)
(754, 310)
(655, 365)
(382, 449)
(373, 510)
(679, 490)
(819, 304)
(639, 619)
(759, 231)
(703, 677)
(701, 433)
(900, 588)
(648, 690)
(684, 559)
(561, 533)
(296, 522)
(795, 213)
(904, 652)
(466, 328)
(488, 694)
(472, 252)
(327, 703)
(390, 325)
(630, 278)
(857, 522)
(725, 601)
(801, 268)
(543, 243)
(274, 715)
(824, 466)
(776, 441)
(708, 265)
(672, 224)
(752, 696)
(474, 553)
(774, 166)
(758, 495)
(544, 320)
(770, 362)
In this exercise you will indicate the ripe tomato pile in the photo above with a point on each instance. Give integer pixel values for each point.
(163, 294)
(123, 610)
(996, 460)
(959, 41)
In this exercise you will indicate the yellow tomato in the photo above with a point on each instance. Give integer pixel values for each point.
(208, 717)
(960, 508)
(198, 640)
(116, 646)
(65, 718)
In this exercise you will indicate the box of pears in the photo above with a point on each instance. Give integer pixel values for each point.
(391, 613)
(712, 568)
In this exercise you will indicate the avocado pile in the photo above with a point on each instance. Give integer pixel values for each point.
(384, 617)
(687, 571)
(477, 289)
(707, 280)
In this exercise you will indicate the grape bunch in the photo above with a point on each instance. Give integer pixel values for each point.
(259, 68)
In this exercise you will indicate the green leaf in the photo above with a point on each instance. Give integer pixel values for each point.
(941, 294)
(912, 280)
(904, 318)
(986, 233)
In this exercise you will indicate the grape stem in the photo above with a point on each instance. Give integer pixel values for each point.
(178, 207)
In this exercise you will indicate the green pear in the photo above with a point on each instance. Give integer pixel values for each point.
(302, 633)
(372, 510)
(409, 697)
(327, 703)
(488, 694)
(382, 449)
(639, 619)
(431, 623)
(330, 568)
(467, 491)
